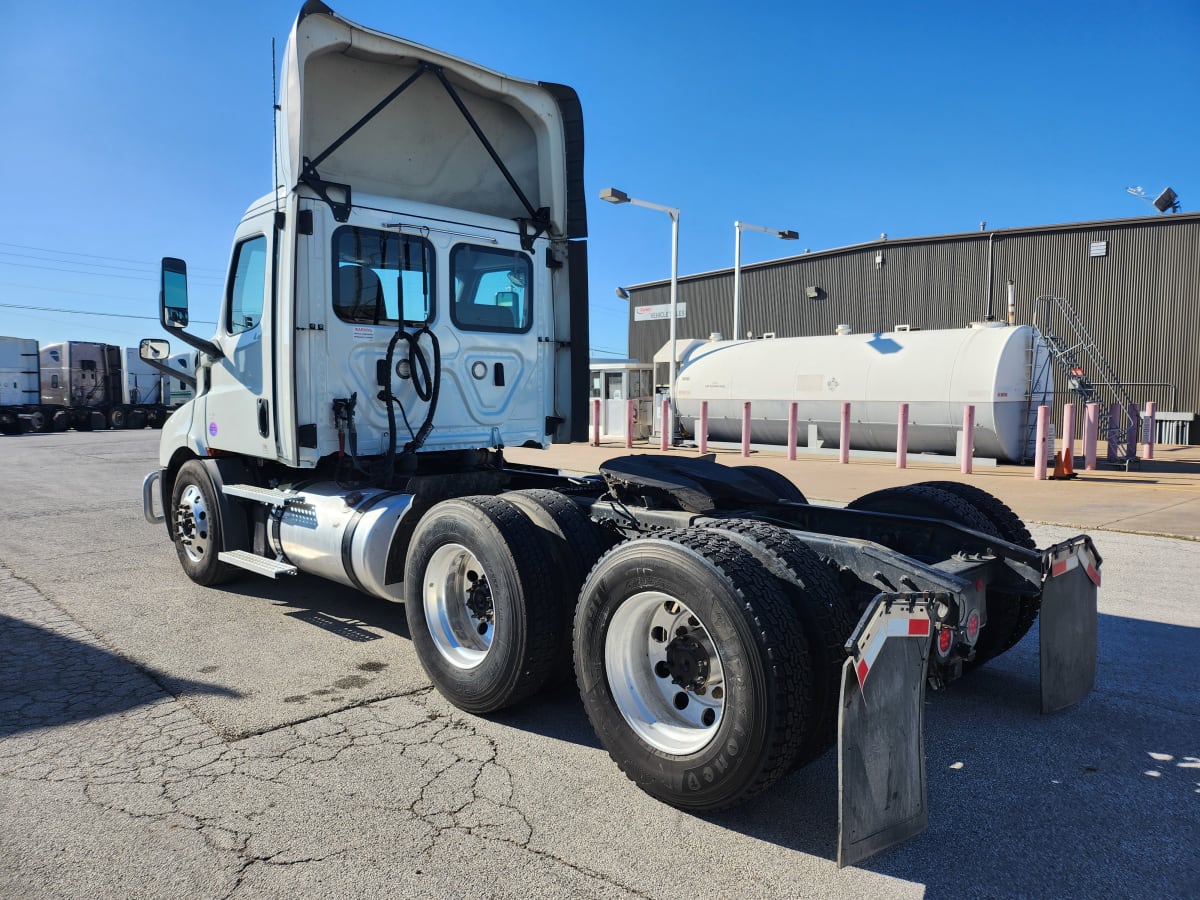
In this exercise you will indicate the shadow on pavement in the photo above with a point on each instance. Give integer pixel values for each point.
(325, 604)
(48, 679)
(1101, 797)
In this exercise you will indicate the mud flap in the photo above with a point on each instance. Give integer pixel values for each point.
(881, 730)
(1068, 622)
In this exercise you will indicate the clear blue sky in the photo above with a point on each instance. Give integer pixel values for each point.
(136, 130)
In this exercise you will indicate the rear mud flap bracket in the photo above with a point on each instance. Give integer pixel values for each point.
(881, 739)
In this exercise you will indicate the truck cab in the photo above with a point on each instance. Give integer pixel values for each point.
(417, 280)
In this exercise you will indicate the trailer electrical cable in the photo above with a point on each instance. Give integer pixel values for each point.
(426, 384)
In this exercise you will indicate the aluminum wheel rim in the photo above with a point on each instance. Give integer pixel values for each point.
(676, 719)
(456, 588)
(192, 523)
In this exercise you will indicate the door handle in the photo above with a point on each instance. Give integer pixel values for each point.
(264, 418)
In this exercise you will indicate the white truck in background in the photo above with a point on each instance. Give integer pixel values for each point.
(410, 300)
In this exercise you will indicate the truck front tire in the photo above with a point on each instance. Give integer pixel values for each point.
(693, 668)
(482, 603)
(196, 526)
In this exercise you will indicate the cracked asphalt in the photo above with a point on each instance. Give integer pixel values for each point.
(158, 739)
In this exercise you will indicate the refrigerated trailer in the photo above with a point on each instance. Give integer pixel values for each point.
(409, 302)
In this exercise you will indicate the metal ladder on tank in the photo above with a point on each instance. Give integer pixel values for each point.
(1071, 359)
(1036, 365)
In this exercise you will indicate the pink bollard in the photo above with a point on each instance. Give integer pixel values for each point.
(666, 425)
(793, 416)
(1039, 453)
(902, 437)
(968, 441)
(630, 419)
(1152, 430)
(1091, 428)
(703, 435)
(746, 428)
(1068, 450)
(595, 421)
(844, 435)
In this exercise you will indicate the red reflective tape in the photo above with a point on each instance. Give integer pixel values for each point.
(863, 669)
(1094, 574)
(1058, 568)
(918, 627)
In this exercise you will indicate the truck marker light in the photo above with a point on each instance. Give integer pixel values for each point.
(945, 638)
(973, 626)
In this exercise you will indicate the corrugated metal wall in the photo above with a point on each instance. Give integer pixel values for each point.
(1141, 301)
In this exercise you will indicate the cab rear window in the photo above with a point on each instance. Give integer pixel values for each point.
(381, 276)
(492, 289)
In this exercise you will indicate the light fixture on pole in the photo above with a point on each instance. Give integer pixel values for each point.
(612, 195)
(738, 227)
(622, 293)
(1167, 201)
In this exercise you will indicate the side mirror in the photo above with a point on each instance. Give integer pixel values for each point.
(150, 349)
(173, 298)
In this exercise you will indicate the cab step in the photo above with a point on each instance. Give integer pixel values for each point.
(270, 496)
(253, 562)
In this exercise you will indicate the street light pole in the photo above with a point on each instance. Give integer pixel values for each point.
(612, 195)
(737, 265)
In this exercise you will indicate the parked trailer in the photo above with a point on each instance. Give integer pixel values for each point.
(20, 390)
(412, 301)
(146, 385)
(86, 385)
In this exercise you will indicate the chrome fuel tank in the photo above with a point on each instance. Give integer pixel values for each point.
(343, 535)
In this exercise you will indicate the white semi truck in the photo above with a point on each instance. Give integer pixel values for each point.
(409, 301)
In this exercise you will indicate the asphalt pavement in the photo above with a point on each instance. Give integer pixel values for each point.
(265, 739)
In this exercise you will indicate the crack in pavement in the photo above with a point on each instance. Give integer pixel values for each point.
(395, 781)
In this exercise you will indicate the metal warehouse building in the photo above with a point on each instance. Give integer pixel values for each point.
(1134, 283)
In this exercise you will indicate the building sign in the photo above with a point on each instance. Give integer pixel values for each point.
(1098, 248)
(661, 311)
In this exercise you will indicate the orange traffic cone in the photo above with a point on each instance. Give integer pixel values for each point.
(1058, 466)
(1068, 464)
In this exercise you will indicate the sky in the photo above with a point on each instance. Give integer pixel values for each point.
(135, 130)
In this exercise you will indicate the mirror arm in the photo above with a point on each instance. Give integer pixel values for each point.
(199, 343)
(186, 377)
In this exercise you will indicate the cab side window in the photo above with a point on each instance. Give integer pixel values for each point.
(248, 285)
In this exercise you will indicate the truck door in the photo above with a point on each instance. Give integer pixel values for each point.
(239, 405)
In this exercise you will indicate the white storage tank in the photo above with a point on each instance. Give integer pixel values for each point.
(936, 373)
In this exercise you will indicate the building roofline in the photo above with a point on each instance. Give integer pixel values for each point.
(927, 239)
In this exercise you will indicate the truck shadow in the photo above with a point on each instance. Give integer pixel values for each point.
(324, 604)
(1100, 797)
(50, 679)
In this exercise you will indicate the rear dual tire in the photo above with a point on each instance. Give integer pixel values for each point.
(693, 667)
(482, 603)
(1009, 616)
